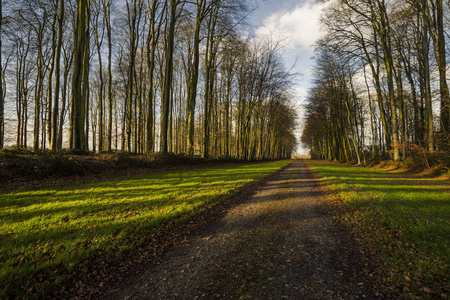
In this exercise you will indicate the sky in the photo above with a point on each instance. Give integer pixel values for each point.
(296, 22)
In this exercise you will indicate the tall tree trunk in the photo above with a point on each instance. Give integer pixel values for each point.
(54, 139)
(436, 23)
(192, 92)
(130, 87)
(98, 43)
(2, 99)
(19, 84)
(402, 111)
(209, 82)
(85, 86)
(78, 101)
(49, 82)
(106, 4)
(168, 74)
(385, 39)
(63, 108)
(428, 101)
(37, 103)
(152, 39)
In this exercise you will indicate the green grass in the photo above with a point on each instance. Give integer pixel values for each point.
(47, 233)
(403, 219)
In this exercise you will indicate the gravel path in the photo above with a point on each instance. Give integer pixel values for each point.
(278, 243)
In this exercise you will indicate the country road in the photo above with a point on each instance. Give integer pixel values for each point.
(279, 243)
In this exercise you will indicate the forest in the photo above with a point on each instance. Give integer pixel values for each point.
(381, 83)
(143, 76)
(149, 149)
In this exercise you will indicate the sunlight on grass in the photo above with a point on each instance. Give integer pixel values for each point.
(404, 219)
(45, 231)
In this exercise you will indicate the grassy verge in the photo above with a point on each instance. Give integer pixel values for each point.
(47, 233)
(402, 219)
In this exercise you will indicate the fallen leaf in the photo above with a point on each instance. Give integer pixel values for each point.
(414, 297)
(427, 290)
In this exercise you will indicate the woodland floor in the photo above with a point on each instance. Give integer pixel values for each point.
(278, 242)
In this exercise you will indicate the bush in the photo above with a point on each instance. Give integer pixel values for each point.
(14, 150)
(62, 165)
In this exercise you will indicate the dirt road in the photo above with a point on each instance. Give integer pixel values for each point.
(278, 243)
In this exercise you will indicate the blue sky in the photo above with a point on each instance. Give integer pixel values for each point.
(297, 24)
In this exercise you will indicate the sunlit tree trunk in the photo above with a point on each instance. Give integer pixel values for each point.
(429, 131)
(192, 91)
(168, 75)
(78, 106)
(106, 7)
(85, 84)
(130, 97)
(68, 59)
(54, 135)
(98, 43)
(436, 25)
(152, 40)
(50, 80)
(209, 81)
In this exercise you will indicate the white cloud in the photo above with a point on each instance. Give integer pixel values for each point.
(299, 94)
(300, 26)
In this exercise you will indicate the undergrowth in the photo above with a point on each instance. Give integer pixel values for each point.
(24, 165)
